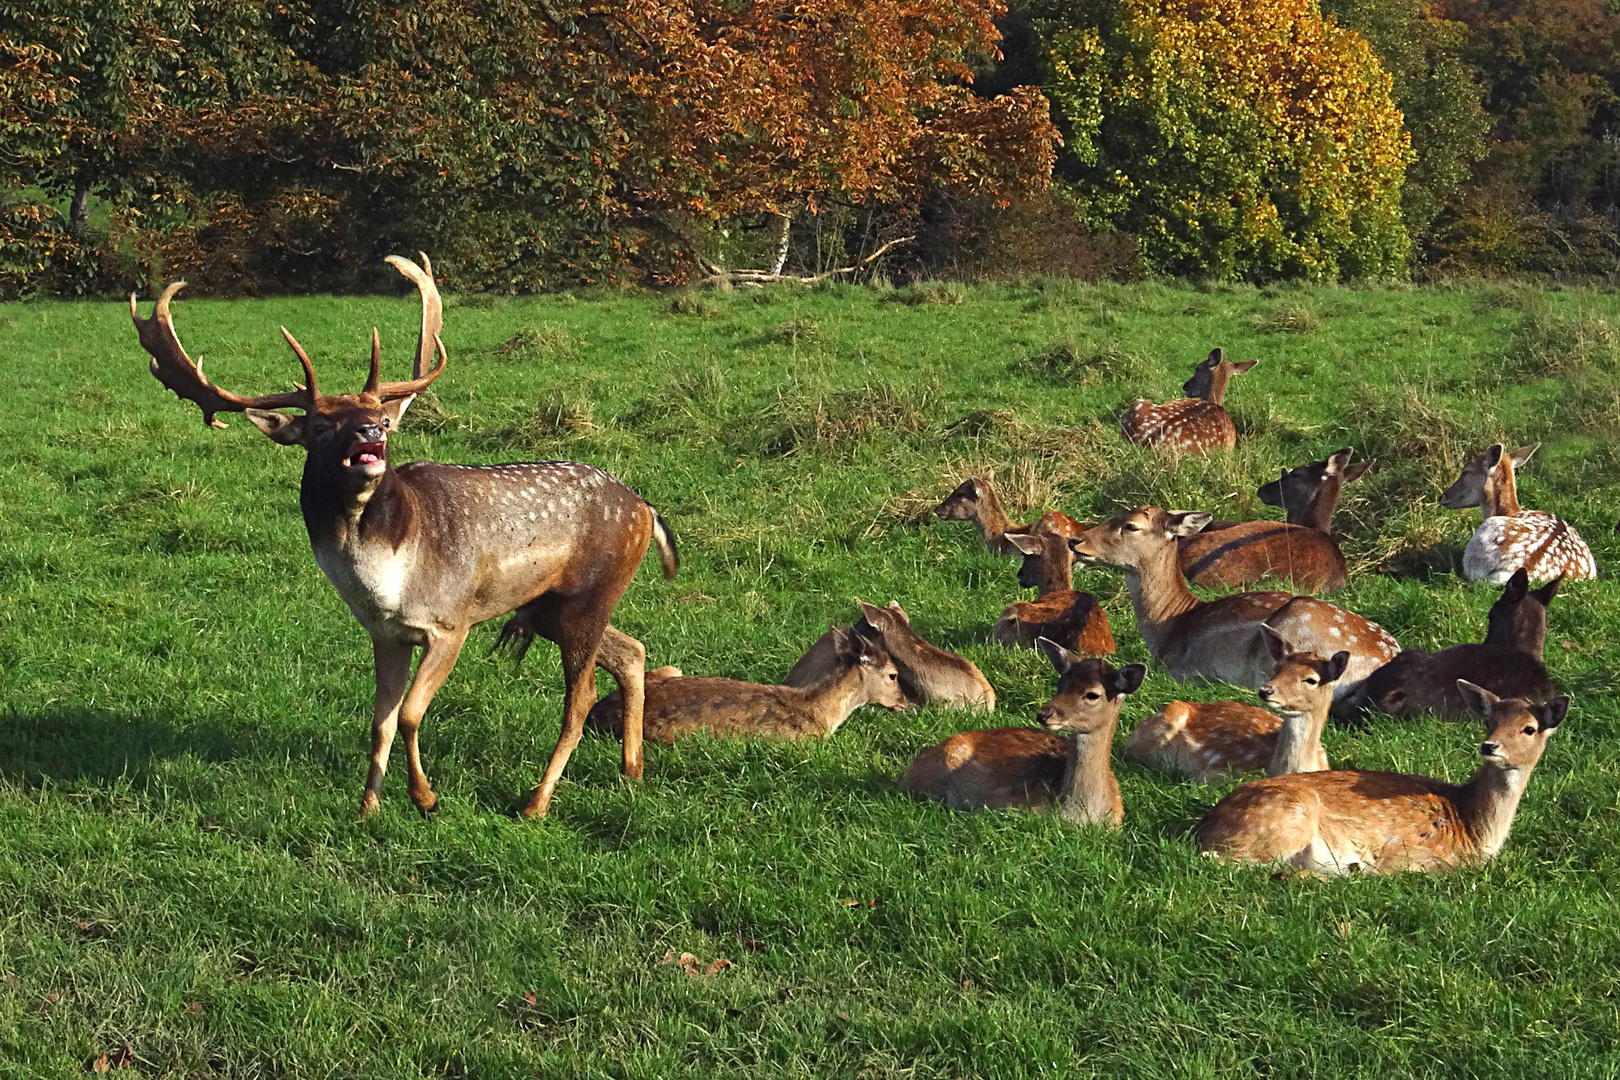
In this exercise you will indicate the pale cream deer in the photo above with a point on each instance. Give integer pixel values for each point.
(1510, 537)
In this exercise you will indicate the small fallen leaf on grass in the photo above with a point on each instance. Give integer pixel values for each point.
(530, 999)
(1569, 645)
(858, 904)
(693, 966)
(194, 1008)
(121, 1058)
(49, 1003)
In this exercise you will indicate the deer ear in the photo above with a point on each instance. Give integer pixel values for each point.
(1546, 593)
(1516, 586)
(1335, 666)
(1335, 463)
(1522, 456)
(1360, 469)
(278, 426)
(1275, 643)
(875, 616)
(1187, 522)
(1213, 358)
(1242, 366)
(1493, 456)
(1552, 714)
(395, 409)
(1128, 679)
(1477, 698)
(1029, 545)
(1061, 658)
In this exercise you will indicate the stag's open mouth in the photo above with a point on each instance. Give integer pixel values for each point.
(368, 453)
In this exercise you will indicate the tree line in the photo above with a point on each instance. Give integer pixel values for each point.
(279, 145)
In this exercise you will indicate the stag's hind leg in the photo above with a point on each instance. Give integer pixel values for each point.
(626, 660)
(577, 629)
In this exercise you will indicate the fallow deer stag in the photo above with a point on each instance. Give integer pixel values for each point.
(422, 552)
(1195, 424)
(1509, 537)
(1300, 550)
(1221, 639)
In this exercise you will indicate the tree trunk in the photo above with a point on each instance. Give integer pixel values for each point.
(781, 228)
(79, 208)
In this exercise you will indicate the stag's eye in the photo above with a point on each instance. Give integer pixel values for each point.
(388, 422)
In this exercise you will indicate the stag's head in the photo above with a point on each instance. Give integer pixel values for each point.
(344, 434)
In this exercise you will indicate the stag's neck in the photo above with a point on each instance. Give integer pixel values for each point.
(1487, 803)
(1318, 512)
(1299, 742)
(832, 699)
(341, 517)
(1090, 794)
(1158, 595)
(1501, 497)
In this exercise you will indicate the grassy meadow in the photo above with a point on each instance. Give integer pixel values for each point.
(185, 704)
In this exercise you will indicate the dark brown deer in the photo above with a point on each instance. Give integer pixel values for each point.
(929, 675)
(1066, 765)
(423, 552)
(1075, 620)
(1508, 663)
(1300, 550)
(1195, 424)
(975, 500)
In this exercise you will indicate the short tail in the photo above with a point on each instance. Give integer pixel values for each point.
(667, 554)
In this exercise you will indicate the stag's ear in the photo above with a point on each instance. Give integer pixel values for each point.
(1187, 522)
(395, 410)
(1522, 456)
(1243, 365)
(1128, 679)
(875, 616)
(278, 426)
(1546, 593)
(1477, 698)
(1360, 469)
(1335, 666)
(1061, 658)
(1552, 714)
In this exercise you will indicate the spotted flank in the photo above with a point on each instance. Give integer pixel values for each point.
(1545, 545)
(1188, 425)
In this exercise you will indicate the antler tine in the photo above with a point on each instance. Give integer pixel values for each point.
(309, 367)
(432, 307)
(174, 369)
(376, 364)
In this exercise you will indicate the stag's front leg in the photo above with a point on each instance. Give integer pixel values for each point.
(392, 663)
(438, 659)
(626, 660)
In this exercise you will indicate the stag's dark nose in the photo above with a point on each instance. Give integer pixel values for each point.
(368, 433)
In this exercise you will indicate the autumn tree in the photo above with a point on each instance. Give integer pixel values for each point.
(1239, 138)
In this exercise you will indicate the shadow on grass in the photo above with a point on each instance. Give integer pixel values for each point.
(1425, 564)
(73, 744)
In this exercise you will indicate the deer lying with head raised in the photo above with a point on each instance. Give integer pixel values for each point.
(863, 674)
(1210, 741)
(1221, 639)
(1300, 550)
(928, 675)
(1333, 823)
(1508, 663)
(423, 552)
(1073, 619)
(975, 500)
(1509, 538)
(1195, 424)
(1066, 765)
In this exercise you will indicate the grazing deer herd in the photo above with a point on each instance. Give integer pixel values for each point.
(422, 552)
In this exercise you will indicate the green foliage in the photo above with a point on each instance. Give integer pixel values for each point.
(1238, 139)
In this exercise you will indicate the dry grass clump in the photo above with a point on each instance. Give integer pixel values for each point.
(558, 415)
(919, 293)
(539, 341)
(1551, 344)
(1288, 319)
(1071, 362)
(795, 331)
(694, 304)
(427, 415)
(838, 420)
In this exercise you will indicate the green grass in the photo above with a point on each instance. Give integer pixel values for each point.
(185, 704)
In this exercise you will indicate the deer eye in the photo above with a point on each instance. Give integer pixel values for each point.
(1131, 528)
(387, 422)
(1311, 682)
(1093, 696)
(1530, 730)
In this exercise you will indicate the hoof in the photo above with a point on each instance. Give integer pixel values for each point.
(536, 807)
(427, 807)
(369, 805)
(633, 770)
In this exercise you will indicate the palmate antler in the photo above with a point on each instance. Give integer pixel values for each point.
(174, 369)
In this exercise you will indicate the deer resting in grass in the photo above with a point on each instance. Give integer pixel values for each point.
(1221, 639)
(1332, 823)
(1300, 550)
(1195, 424)
(1066, 765)
(929, 675)
(1073, 619)
(423, 552)
(1211, 740)
(975, 500)
(863, 674)
(1508, 537)
(1508, 663)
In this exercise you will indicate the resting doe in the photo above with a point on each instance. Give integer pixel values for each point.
(929, 675)
(1195, 424)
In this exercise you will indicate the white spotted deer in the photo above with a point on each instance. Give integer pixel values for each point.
(1209, 741)
(1338, 822)
(1509, 537)
(1195, 424)
(1300, 550)
(1071, 618)
(423, 552)
(1064, 766)
(1221, 639)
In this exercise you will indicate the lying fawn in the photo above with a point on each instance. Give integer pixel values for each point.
(1221, 639)
(423, 552)
(1508, 664)
(1509, 537)
(1066, 764)
(1210, 741)
(1335, 822)
(1195, 424)
(1072, 619)
(975, 500)
(928, 675)
(1300, 550)
(677, 707)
